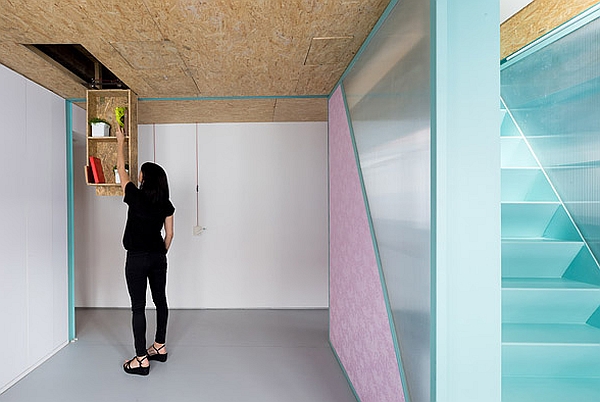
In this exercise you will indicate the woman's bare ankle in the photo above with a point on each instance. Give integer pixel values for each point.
(157, 348)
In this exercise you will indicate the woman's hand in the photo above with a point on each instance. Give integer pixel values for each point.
(120, 134)
(121, 157)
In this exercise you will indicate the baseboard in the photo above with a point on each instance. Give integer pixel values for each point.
(31, 368)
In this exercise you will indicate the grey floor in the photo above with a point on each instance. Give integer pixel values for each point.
(214, 356)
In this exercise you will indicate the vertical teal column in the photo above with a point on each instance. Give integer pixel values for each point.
(70, 221)
(466, 201)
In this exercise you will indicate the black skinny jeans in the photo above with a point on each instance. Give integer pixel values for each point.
(142, 268)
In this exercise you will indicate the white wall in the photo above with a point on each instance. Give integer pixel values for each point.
(262, 198)
(33, 239)
(508, 8)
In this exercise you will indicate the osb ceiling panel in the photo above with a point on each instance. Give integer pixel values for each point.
(536, 19)
(300, 110)
(210, 111)
(329, 51)
(191, 48)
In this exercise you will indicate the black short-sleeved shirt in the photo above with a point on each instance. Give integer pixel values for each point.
(144, 222)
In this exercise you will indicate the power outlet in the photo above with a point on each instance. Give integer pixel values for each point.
(198, 230)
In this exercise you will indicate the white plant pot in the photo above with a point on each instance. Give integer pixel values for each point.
(117, 177)
(100, 130)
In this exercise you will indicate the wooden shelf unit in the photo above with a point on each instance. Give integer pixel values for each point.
(102, 104)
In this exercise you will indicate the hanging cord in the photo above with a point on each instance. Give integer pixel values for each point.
(197, 194)
(154, 142)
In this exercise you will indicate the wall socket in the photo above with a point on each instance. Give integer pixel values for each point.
(198, 230)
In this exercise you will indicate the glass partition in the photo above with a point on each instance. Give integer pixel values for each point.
(554, 96)
(388, 96)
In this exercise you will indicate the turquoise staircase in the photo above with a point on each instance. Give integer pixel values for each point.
(550, 288)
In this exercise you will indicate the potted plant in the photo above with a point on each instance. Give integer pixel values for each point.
(100, 127)
(117, 177)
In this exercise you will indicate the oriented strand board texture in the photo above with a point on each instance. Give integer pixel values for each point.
(185, 48)
(109, 190)
(232, 111)
(536, 19)
(208, 111)
(300, 110)
(38, 70)
(360, 330)
(105, 149)
(102, 104)
(329, 50)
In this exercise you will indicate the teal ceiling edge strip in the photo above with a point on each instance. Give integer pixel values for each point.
(226, 98)
(207, 98)
(377, 255)
(337, 358)
(552, 36)
(220, 98)
(70, 221)
(366, 43)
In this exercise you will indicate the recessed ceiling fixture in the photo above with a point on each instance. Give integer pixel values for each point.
(80, 64)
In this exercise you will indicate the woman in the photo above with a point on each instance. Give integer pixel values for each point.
(149, 209)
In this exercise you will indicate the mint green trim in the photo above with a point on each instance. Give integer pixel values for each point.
(552, 36)
(221, 98)
(70, 221)
(328, 162)
(376, 250)
(433, 157)
(226, 98)
(344, 371)
(366, 43)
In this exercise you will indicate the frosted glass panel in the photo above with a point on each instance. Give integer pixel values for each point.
(554, 95)
(388, 95)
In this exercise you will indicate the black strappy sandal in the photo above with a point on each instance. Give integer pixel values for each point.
(157, 356)
(136, 370)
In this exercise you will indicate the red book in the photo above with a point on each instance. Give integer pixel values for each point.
(96, 165)
(89, 175)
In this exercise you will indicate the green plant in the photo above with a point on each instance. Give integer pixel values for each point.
(98, 120)
(120, 115)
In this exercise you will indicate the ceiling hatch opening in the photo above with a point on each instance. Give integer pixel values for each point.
(80, 64)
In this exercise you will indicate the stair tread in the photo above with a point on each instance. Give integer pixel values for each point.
(528, 202)
(566, 334)
(530, 240)
(546, 284)
(540, 389)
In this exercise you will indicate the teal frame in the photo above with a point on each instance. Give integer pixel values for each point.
(433, 26)
(219, 98)
(439, 11)
(465, 149)
(366, 43)
(70, 220)
(382, 281)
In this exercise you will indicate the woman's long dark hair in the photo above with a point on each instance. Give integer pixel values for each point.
(154, 183)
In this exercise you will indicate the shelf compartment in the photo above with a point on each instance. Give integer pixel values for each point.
(102, 104)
